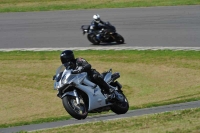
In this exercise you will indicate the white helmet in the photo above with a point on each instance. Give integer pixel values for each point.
(96, 18)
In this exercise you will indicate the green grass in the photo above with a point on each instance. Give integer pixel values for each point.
(184, 121)
(49, 5)
(149, 78)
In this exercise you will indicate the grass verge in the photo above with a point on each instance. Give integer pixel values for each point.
(149, 78)
(182, 121)
(49, 5)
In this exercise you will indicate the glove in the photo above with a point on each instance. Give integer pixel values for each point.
(76, 71)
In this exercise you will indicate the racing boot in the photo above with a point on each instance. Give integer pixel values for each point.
(111, 95)
(98, 37)
(115, 95)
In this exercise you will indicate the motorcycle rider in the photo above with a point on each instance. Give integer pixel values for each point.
(96, 27)
(81, 65)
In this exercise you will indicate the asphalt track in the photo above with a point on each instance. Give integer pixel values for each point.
(151, 28)
(173, 26)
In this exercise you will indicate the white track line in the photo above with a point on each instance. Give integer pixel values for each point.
(101, 48)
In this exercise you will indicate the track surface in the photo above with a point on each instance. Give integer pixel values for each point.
(102, 117)
(142, 27)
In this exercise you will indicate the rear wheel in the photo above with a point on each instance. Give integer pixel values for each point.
(89, 37)
(78, 111)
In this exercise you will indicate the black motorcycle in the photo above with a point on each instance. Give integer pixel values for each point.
(108, 34)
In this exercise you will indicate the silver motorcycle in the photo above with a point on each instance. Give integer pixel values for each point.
(80, 96)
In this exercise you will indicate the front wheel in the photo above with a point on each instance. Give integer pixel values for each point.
(78, 111)
(120, 107)
(119, 39)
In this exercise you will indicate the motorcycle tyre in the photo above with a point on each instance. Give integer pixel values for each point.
(119, 39)
(116, 108)
(89, 37)
(70, 110)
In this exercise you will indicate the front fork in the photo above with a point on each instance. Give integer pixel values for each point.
(76, 95)
(72, 93)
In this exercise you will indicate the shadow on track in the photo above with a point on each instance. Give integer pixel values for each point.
(107, 44)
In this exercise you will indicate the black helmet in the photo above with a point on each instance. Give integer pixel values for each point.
(67, 56)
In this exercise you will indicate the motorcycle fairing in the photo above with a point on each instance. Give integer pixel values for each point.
(95, 96)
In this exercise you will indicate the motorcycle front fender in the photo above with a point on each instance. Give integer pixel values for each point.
(71, 93)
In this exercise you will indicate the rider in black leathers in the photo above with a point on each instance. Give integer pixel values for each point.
(81, 65)
(96, 27)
